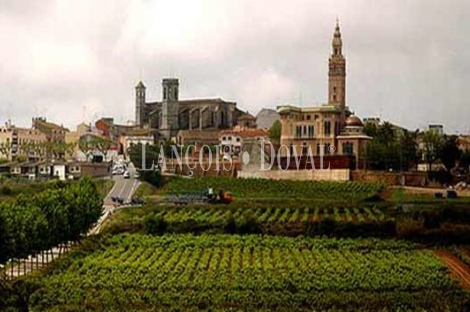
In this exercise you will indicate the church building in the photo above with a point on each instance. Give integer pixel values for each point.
(170, 115)
(329, 129)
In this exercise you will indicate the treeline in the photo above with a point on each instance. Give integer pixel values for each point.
(38, 222)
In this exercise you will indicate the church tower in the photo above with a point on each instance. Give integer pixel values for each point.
(337, 72)
(139, 104)
(170, 107)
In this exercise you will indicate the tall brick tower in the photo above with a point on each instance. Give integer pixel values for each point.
(337, 72)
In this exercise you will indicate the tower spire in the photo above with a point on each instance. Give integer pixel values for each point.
(337, 71)
(337, 43)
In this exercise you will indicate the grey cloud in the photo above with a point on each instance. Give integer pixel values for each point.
(407, 60)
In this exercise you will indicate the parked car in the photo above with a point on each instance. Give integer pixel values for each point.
(127, 175)
(136, 175)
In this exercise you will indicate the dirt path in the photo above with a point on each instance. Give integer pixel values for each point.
(458, 269)
(431, 191)
(465, 251)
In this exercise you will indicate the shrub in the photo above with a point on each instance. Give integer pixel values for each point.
(247, 224)
(152, 177)
(155, 224)
(5, 190)
(409, 227)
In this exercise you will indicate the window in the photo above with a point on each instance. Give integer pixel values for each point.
(298, 131)
(238, 139)
(164, 93)
(327, 148)
(348, 148)
(309, 117)
(224, 138)
(334, 97)
(305, 130)
(327, 128)
(304, 148)
(291, 149)
(311, 131)
(318, 148)
(230, 138)
(303, 117)
(334, 89)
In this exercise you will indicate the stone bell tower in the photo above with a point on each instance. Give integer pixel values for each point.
(337, 71)
(139, 104)
(169, 125)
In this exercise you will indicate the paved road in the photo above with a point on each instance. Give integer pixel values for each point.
(124, 188)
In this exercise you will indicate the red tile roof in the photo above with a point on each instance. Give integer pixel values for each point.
(246, 133)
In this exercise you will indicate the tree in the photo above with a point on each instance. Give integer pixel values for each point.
(274, 133)
(449, 152)
(103, 145)
(389, 149)
(432, 144)
(5, 148)
(135, 154)
(464, 160)
(70, 148)
(409, 149)
(86, 146)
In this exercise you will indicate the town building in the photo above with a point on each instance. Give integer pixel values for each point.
(25, 142)
(438, 129)
(231, 141)
(331, 128)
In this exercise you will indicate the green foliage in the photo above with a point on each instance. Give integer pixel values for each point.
(155, 224)
(274, 133)
(151, 155)
(153, 177)
(38, 222)
(251, 273)
(5, 190)
(432, 146)
(262, 188)
(464, 160)
(21, 158)
(449, 152)
(391, 150)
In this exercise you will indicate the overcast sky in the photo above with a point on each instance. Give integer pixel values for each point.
(407, 61)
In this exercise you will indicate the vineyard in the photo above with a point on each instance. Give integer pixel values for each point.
(271, 215)
(260, 188)
(249, 273)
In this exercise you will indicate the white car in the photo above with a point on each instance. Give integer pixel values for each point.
(118, 171)
(127, 175)
(136, 175)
